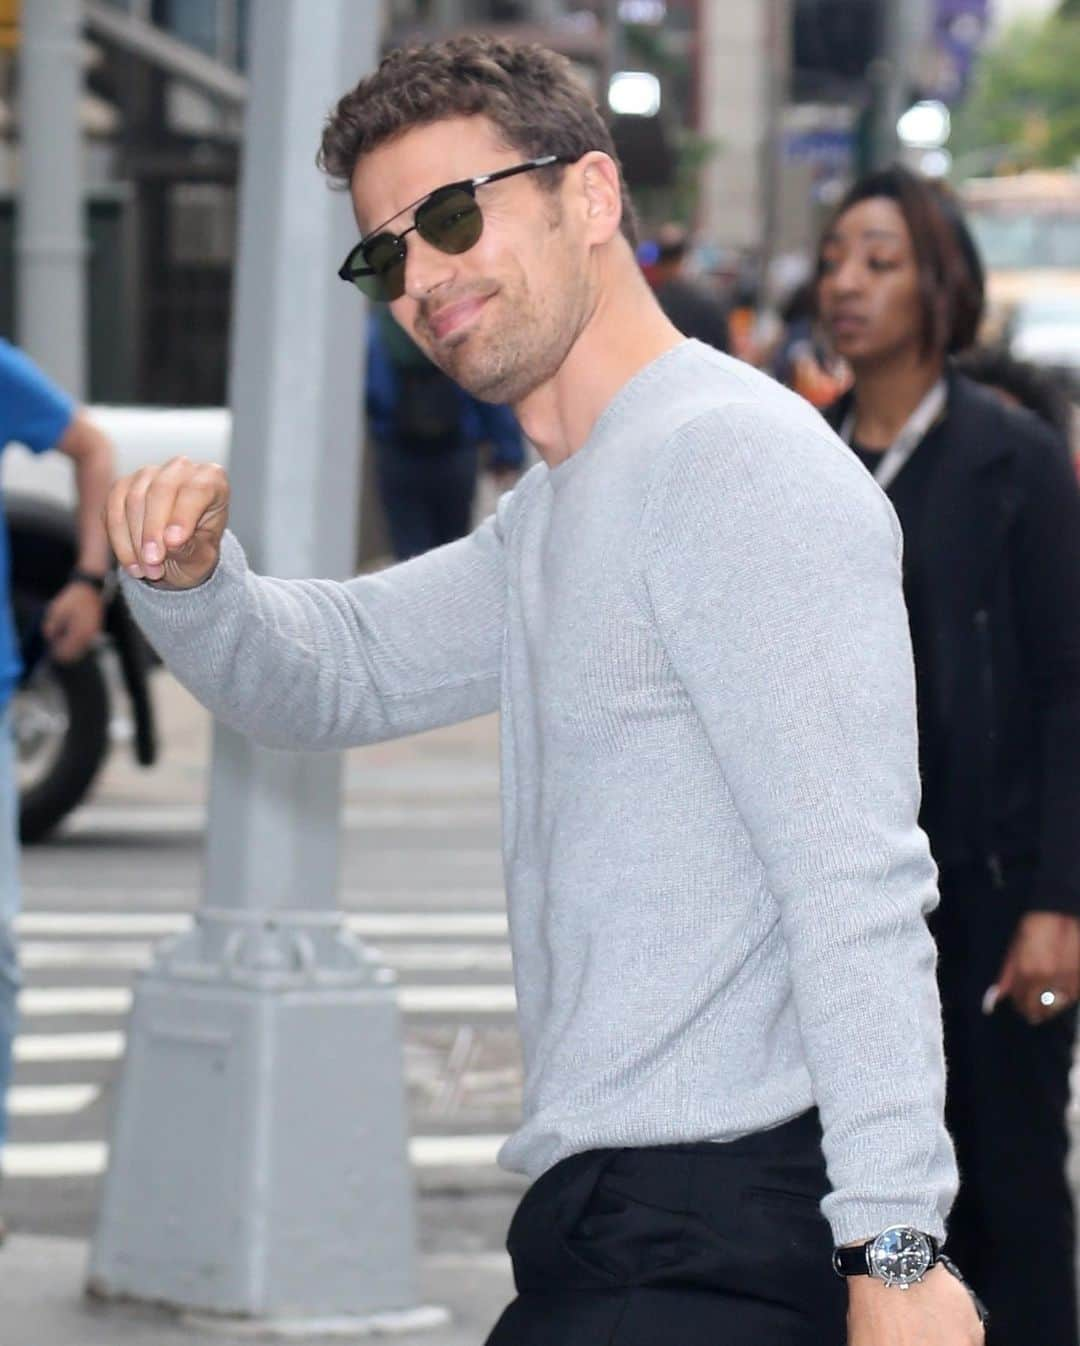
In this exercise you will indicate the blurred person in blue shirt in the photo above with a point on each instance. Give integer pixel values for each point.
(36, 413)
(427, 434)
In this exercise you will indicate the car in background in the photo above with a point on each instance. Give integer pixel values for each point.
(1045, 330)
(1027, 227)
(66, 716)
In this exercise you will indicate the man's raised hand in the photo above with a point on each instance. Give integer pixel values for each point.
(165, 523)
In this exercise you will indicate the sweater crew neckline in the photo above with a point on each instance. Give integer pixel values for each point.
(637, 386)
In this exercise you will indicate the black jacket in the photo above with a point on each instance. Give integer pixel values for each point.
(695, 312)
(998, 635)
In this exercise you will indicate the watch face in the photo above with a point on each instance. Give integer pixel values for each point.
(901, 1256)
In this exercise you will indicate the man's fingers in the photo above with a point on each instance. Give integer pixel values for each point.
(195, 502)
(134, 504)
(173, 509)
(116, 525)
(153, 515)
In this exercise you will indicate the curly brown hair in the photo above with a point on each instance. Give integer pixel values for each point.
(528, 93)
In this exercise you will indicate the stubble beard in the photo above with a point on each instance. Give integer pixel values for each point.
(507, 364)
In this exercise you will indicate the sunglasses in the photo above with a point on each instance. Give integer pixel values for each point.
(449, 218)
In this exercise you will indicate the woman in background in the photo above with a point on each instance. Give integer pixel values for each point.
(990, 512)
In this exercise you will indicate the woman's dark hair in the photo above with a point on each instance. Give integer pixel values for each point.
(1040, 391)
(952, 284)
(529, 94)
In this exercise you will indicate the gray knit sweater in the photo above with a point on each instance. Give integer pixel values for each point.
(695, 632)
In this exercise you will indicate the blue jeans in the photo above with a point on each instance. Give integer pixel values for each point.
(9, 906)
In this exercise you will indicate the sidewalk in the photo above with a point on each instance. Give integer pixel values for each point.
(44, 1304)
(462, 1212)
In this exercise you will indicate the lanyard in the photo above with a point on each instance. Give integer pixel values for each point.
(909, 438)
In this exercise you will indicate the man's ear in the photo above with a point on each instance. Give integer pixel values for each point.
(602, 196)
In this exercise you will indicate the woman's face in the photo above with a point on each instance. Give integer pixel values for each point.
(868, 286)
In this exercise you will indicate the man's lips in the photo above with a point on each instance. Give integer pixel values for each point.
(454, 316)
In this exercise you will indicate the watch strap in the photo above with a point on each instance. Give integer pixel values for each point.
(80, 576)
(953, 1270)
(855, 1260)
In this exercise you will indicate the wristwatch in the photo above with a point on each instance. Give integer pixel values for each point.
(901, 1256)
(104, 584)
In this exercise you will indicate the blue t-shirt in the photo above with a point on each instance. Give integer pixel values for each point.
(34, 412)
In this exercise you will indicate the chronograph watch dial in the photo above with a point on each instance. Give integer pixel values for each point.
(900, 1256)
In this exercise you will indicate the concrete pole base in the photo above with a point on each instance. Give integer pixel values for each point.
(259, 1166)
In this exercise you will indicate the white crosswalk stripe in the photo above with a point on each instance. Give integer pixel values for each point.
(181, 819)
(70, 957)
(368, 925)
(412, 999)
(87, 1159)
(133, 955)
(50, 1100)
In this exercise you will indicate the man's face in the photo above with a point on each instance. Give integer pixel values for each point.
(868, 292)
(501, 317)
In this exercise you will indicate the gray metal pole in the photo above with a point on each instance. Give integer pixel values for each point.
(776, 38)
(259, 1163)
(907, 30)
(50, 249)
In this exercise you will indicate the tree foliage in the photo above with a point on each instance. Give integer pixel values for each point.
(1024, 108)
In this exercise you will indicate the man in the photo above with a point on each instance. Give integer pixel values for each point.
(716, 883)
(36, 413)
(688, 305)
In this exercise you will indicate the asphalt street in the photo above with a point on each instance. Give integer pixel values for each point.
(421, 883)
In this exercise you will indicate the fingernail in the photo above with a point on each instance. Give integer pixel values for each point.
(151, 553)
(989, 1000)
(135, 571)
(174, 533)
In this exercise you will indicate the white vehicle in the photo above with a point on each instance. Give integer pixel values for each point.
(63, 713)
(1046, 330)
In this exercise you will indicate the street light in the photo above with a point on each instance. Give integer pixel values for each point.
(925, 126)
(634, 93)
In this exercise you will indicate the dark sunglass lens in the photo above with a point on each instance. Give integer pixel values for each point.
(450, 220)
(385, 257)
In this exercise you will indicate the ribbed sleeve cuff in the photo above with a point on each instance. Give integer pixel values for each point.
(178, 610)
(856, 1221)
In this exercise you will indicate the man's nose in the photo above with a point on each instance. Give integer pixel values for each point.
(426, 268)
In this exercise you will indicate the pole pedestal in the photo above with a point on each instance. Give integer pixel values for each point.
(262, 1128)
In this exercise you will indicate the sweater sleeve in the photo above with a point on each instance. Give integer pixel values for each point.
(772, 565)
(313, 664)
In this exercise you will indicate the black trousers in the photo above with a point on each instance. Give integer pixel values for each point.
(683, 1245)
(1012, 1228)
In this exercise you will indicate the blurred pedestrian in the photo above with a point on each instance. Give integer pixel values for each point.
(991, 518)
(715, 878)
(36, 413)
(803, 361)
(686, 301)
(428, 435)
(1019, 383)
